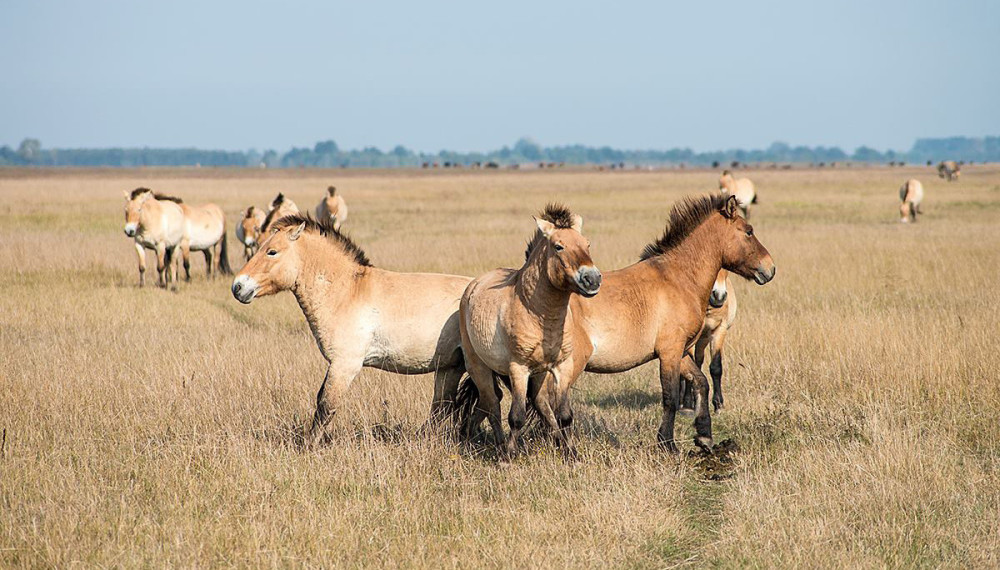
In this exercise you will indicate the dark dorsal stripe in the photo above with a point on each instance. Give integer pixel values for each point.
(684, 217)
(142, 190)
(326, 230)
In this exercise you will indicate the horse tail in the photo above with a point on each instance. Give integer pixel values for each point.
(754, 200)
(466, 400)
(224, 254)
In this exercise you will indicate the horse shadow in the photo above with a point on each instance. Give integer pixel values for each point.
(630, 399)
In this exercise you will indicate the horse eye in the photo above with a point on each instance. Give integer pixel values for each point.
(559, 247)
(272, 253)
(749, 231)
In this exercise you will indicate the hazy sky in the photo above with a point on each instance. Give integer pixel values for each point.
(476, 75)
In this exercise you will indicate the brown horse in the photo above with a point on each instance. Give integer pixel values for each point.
(719, 319)
(332, 209)
(359, 315)
(911, 194)
(205, 231)
(742, 188)
(950, 170)
(656, 308)
(280, 207)
(157, 223)
(248, 231)
(518, 324)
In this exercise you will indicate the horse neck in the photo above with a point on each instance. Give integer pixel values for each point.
(149, 215)
(327, 277)
(696, 261)
(538, 295)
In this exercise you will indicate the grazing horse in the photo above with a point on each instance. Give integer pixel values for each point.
(280, 207)
(204, 230)
(742, 188)
(332, 209)
(911, 194)
(157, 223)
(719, 319)
(248, 231)
(656, 308)
(518, 325)
(359, 315)
(950, 170)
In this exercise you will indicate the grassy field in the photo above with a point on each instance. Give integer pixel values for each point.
(148, 427)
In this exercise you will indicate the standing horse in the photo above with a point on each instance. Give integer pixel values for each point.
(518, 324)
(656, 308)
(911, 194)
(204, 229)
(359, 315)
(719, 319)
(280, 207)
(949, 169)
(157, 223)
(742, 188)
(332, 209)
(248, 231)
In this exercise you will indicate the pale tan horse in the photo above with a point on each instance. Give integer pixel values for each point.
(949, 169)
(359, 315)
(518, 325)
(280, 207)
(205, 231)
(719, 318)
(742, 188)
(911, 194)
(248, 231)
(157, 223)
(332, 209)
(655, 309)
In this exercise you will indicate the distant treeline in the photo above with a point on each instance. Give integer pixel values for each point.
(328, 155)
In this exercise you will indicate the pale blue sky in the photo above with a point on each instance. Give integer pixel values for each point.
(475, 76)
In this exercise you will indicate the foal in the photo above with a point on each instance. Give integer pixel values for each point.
(719, 319)
(359, 315)
(248, 231)
(518, 324)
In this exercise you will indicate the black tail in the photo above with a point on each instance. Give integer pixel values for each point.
(224, 254)
(754, 201)
(466, 400)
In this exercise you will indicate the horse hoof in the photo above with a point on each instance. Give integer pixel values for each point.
(705, 443)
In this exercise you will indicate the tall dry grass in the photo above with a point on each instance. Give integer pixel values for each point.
(145, 427)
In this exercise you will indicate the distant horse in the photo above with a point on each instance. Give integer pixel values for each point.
(719, 319)
(157, 223)
(518, 325)
(742, 188)
(656, 308)
(248, 231)
(948, 169)
(359, 315)
(911, 194)
(204, 231)
(280, 207)
(332, 209)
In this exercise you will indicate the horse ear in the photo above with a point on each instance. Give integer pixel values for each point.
(296, 232)
(729, 209)
(332, 190)
(577, 223)
(126, 194)
(545, 226)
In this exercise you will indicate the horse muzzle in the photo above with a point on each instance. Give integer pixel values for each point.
(718, 298)
(249, 242)
(763, 274)
(588, 281)
(244, 289)
(130, 230)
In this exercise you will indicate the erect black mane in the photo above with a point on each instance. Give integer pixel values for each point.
(326, 230)
(275, 206)
(684, 217)
(332, 190)
(142, 190)
(560, 216)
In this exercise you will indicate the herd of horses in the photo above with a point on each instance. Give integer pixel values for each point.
(532, 330)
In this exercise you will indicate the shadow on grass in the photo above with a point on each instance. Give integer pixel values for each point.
(630, 399)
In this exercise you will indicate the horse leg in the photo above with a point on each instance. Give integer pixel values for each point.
(445, 389)
(208, 262)
(519, 377)
(186, 256)
(338, 379)
(543, 392)
(141, 253)
(715, 368)
(670, 387)
(702, 419)
(688, 383)
(161, 261)
(488, 405)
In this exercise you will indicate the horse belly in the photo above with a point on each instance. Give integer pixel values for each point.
(203, 236)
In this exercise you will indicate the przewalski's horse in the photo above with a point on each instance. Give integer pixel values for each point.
(742, 188)
(911, 194)
(518, 325)
(719, 319)
(248, 231)
(157, 223)
(332, 209)
(360, 315)
(656, 308)
(280, 207)
(204, 230)
(949, 169)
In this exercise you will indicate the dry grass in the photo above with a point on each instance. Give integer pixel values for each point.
(145, 427)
